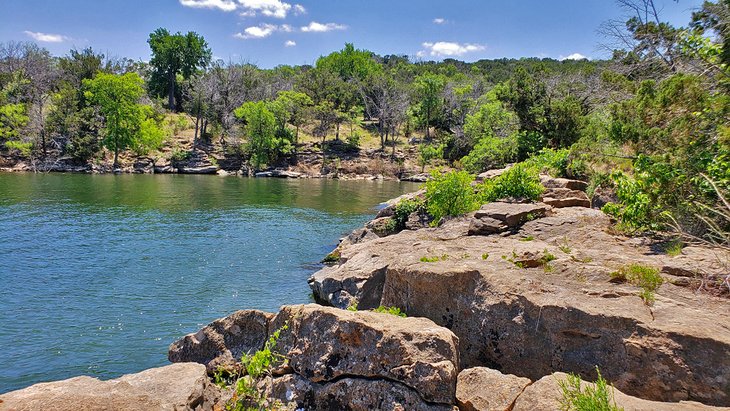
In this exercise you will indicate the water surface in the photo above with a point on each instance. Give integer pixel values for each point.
(99, 274)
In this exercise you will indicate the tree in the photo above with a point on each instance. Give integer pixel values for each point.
(260, 130)
(386, 100)
(296, 105)
(429, 89)
(173, 55)
(126, 122)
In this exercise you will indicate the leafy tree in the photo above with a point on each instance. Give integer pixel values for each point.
(173, 55)
(296, 105)
(125, 120)
(429, 89)
(263, 146)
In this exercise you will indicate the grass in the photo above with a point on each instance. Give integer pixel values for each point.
(434, 259)
(643, 276)
(390, 310)
(674, 248)
(528, 238)
(598, 397)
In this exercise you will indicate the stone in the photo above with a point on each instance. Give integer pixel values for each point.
(565, 197)
(417, 178)
(486, 226)
(490, 174)
(326, 344)
(512, 214)
(418, 220)
(171, 388)
(545, 395)
(198, 170)
(553, 182)
(380, 226)
(356, 394)
(602, 196)
(222, 343)
(484, 389)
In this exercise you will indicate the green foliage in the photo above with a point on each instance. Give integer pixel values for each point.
(450, 194)
(264, 147)
(24, 148)
(520, 181)
(552, 162)
(598, 397)
(434, 259)
(643, 276)
(427, 153)
(485, 256)
(404, 209)
(390, 310)
(352, 307)
(13, 118)
(429, 87)
(126, 121)
(674, 248)
(490, 153)
(636, 211)
(528, 238)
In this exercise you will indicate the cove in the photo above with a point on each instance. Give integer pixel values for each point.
(100, 273)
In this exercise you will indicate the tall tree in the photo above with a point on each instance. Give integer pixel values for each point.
(173, 55)
(429, 89)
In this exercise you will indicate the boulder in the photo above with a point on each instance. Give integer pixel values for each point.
(565, 197)
(486, 226)
(222, 343)
(512, 214)
(546, 395)
(198, 170)
(380, 226)
(553, 182)
(602, 196)
(417, 178)
(326, 345)
(171, 388)
(484, 389)
(490, 174)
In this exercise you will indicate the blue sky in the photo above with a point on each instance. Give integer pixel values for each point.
(272, 32)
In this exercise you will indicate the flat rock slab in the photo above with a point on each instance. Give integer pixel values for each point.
(512, 214)
(553, 182)
(565, 197)
(545, 395)
(222, 343)
(173, 388)
(484, 389)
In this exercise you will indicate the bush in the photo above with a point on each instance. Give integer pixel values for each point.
(25, 149)
(519, 181)
(636, 211)
(450, 194)
(552, 162)
(491, 152)
(646, 277)
(390, 310)
(403, 210)
(596, 398)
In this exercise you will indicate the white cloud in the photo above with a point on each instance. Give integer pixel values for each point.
(46, 37)
(449, 49)
(257, 32)
(299, 9)
(286, 28)
(439, 20)
(269, 8)
(290, 43)
(225, 5)
(574, 56)
(315, 27)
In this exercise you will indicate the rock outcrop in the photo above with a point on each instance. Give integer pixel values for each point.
(535, 298)
(484, 389)
(175, 387)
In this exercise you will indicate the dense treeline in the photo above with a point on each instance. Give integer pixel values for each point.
(650, 124)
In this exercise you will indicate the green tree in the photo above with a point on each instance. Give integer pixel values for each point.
(125, 120)
(260, 130)
(296, 105)
(173, 55)
(429, 89)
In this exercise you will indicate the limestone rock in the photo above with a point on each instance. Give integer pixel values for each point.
(327, 344)
(380, 226)
(490, 174)
(486, 226)
(198, 170)
(553, 182)
(512, 214)
(565, 197)
(223, 342)
(357, 394)
(484, 389)
(545, 395)
(175, 387)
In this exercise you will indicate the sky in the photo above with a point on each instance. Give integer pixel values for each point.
(273, 32)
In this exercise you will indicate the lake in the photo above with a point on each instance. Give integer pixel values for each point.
(100, 273)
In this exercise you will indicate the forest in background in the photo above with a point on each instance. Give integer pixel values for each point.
(650, 124)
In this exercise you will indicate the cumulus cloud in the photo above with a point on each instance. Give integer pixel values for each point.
(449, 49)
(248, 8)
(290, 43)
(46, 37)
(315, 27)
(439, 20)
(259, 32)
(225, 5)
(574, 56)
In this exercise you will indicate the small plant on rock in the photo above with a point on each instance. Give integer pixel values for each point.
(434, 259)
(390, 310)
(598, 397)
(643, 276)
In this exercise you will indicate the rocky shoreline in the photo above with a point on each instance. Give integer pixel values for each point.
(499, 302)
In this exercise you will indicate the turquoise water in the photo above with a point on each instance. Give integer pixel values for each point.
(99, 274)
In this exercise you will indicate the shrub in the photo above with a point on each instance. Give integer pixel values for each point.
(450, 194)
(636, 211)
(491, 152)
(403, 210)
(643, 276)
(390, 310)
(549, 161)
(25, 149)
(596, 398)
(519, 181)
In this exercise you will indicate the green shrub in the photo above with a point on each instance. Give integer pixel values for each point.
(25, 149)
(549, 161)
(450, 194)
(390, 310)
(519, 181)
(643, 276)
(489, 153)
(434, 259)
(636, 210)
(179, 155)
(403, 210)
(598, 397)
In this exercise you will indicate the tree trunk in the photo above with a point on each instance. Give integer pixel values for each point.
(116, 157)
(337, 131)
(197, 123)
(171, 91)
(428, 125)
